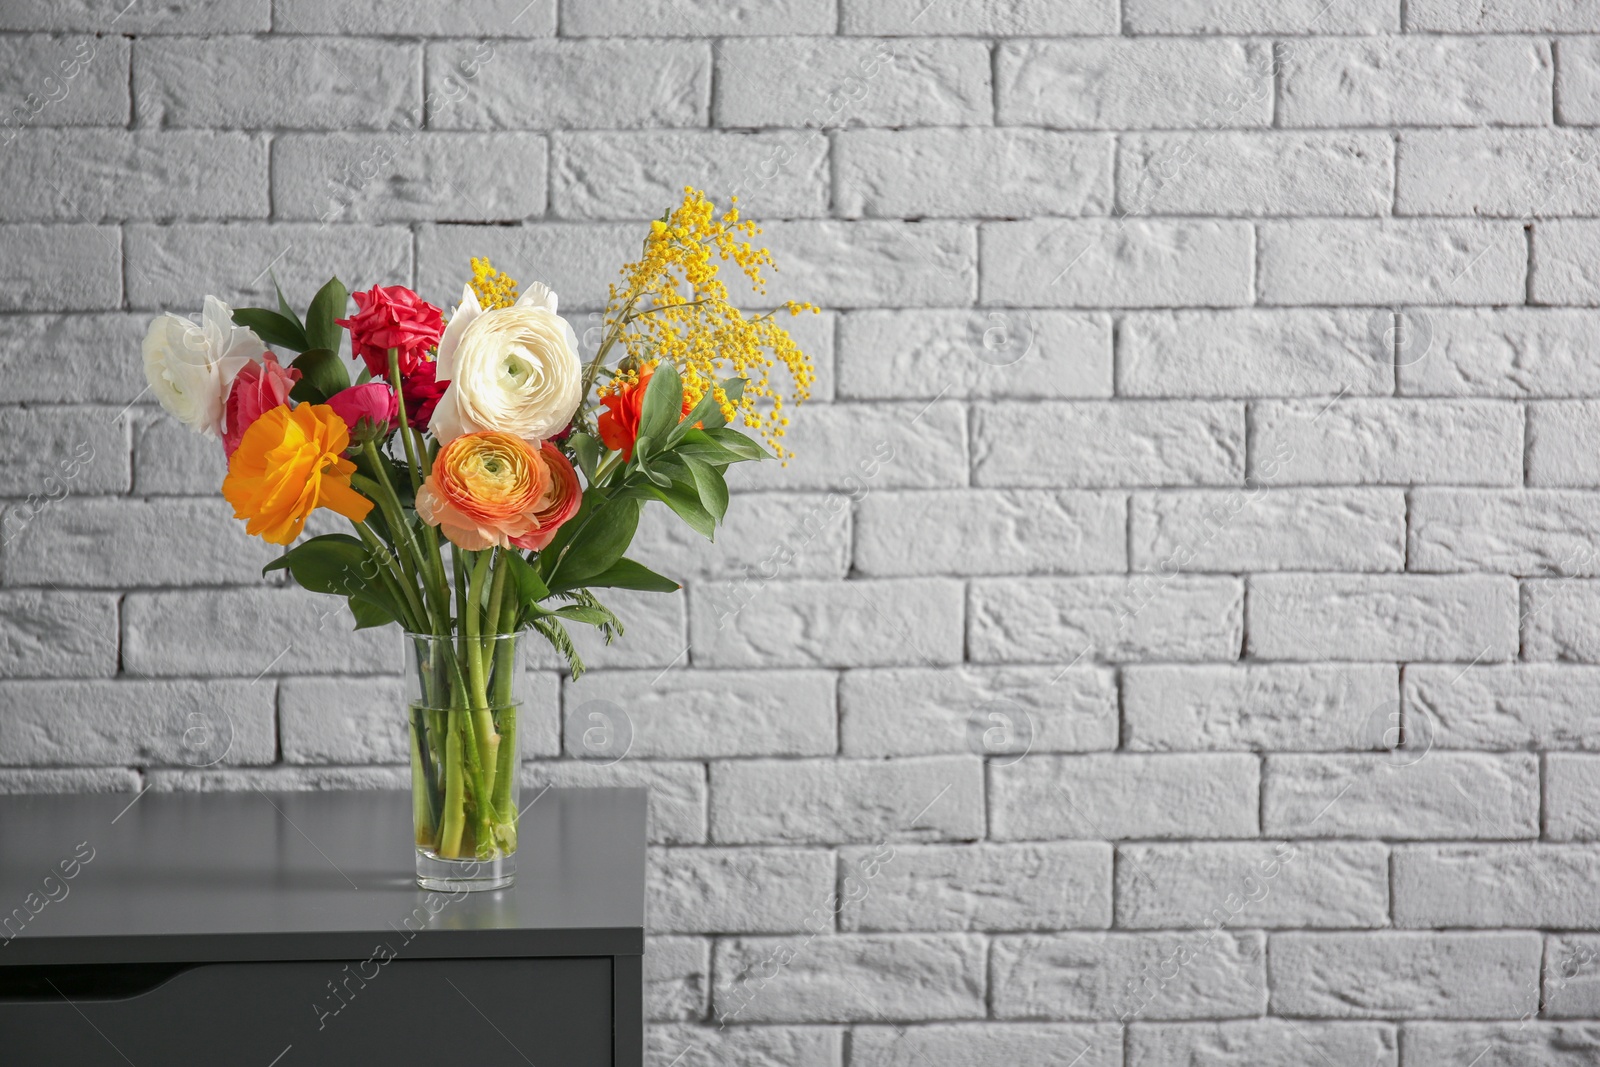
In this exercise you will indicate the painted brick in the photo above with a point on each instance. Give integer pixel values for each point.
(984, 18)
(1112, 83)
(577, 261)
(1117, 263)
(657, 634)
(550, 85)
(397, 18)
(971, 172)
(1562, 251)
(1524, 1041)
(798, 535)
(749, 1046)
(1260, 16)
(1496, 885)
(627, 175)
(677, 978)
(169, 459)
(1249, 353)
(849, 801)
(1310, 707)
(1578, 78)
(72, 175)
(1369, 261)
(751, 890)
(677, 791)
(821, 81)
(1405, 975)
(699, 714)
(667, 18)
(1500, 16)
(1261, 529)
(1266, 884)
(1255, 174)
(249, 633)
(193, 723)
(60, 268)
(58, 635)
(1112, 976)
(871, 264)
(277, 779)
(990, 532)
(827, 624)
(69, 452)
(76, 80)
(978, 887)
(1424, 795)
(1561, 620)
(1261, 1043)
(339, 83)
(1500, 173)
(108, 16)
(849, 978)
(1516, 352)
(77, 371)
(1572, 788)
(173, 267)
(363, 720)
(1516, 706)
(1570, 986)
(400, 177)
(1390, 442)
(70, 780)
(854, 450)
(974, 1044)
(1104, 445)
(1559, 434)
(981, 353)
(1106, 619)
(1417, 81)
(109, 543)
(1506, 531)
(1003, 712)
(1117, 795)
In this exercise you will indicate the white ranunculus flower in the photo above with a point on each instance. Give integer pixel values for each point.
(515, 370)
(191, 367)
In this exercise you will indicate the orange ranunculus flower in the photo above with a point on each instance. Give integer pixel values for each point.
(619, 425)
(289, 463)
(493, 488)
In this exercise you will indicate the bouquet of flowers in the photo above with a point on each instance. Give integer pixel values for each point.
(487, 433)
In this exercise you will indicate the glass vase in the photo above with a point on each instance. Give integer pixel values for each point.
(464, 696)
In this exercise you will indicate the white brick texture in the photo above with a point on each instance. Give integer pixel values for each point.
(1176, 639)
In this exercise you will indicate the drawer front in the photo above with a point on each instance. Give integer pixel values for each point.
(486, 1012)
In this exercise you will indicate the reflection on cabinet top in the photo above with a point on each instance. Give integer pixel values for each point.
(191, 877)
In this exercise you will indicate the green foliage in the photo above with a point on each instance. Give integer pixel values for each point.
(591, 541)
(630, 574)
(329, 304)
(558, 637)
(273, 328)
(322, 373)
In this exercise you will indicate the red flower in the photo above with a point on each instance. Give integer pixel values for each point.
(393, 317)
(619, 425)
(258, 387)
(422, 392)
(369, 410)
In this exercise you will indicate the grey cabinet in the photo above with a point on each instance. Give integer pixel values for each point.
(285, 929)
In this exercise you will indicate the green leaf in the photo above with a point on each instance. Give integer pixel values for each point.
(558, 637)
(587, 451)
(369, 612)
(273, 328)
(709, 484)
(737, 443)
(629, 574)
(594, 539)
(663, 403)
(685, 500)
(283, 304)
(322, 373)
(328, 305)
(332, 563)
(526, 585)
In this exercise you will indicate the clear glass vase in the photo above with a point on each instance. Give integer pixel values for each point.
(464, 696)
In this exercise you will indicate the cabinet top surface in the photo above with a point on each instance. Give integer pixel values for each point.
(93, 878)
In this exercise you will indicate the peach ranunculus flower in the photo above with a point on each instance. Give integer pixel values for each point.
(495, 489)
(289, 463)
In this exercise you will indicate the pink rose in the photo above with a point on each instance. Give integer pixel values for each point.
(258, 387)
(392, 317)
(369, 410)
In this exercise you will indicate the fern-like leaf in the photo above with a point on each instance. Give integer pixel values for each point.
(558, 637)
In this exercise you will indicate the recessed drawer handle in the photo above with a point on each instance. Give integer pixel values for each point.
(110, 981)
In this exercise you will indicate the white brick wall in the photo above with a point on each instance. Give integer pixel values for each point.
(1176, 642)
